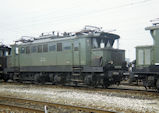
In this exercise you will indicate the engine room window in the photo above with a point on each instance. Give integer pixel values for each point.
(39, 48)
(34, 49)
(59, 46)
(76, 46)
(52, 48)
(45, 48)
(27, 50)
(22, 50)
(67, 46)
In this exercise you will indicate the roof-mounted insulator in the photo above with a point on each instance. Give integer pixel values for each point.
(89, 30)
(25, 39)
(93, 28)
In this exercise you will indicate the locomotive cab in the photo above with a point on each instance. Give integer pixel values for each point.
(105, 56)
(103, 52)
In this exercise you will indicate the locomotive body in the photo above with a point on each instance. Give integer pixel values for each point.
(86, 57)
(147, 61)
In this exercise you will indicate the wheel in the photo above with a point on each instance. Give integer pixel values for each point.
(157, 84)
(36, 78)
(76, 83)
(94, 84)
(145, 83)
(42, 79)
(5, 78)
(106, 83)
(105, 86)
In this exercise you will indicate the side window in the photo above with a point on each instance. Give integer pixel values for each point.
(52, 48)
(39, 48)
(140, 57)
(27, 49)
(34, 49)
(22, 50)
(147, 56)
(59, 46)
(76, 46)
(45, 48)
(67, 46)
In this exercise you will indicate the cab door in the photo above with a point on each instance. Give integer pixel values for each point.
(15, 58)
(76, 57)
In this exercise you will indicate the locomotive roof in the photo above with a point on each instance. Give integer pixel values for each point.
(2, 47)
(144, 46)
(155, 26)
(82, 34)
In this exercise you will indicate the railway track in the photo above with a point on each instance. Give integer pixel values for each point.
(124, 88)
(25, 105)
(12, 108)
(58, 94)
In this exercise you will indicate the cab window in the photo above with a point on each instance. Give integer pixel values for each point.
(102, 43)
(16, 50)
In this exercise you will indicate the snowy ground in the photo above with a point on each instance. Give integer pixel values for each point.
(95, 99)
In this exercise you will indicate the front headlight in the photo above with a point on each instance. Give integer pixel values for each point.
(110, 62)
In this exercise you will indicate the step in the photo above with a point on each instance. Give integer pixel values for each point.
(76, 74)
(76, 80)
(77, 68)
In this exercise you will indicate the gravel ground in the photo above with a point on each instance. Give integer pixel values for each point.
(116, 101)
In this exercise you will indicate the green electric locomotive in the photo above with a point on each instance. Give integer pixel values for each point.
(85, 57)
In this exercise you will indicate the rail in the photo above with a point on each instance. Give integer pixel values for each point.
(11, 108)
(38, 106)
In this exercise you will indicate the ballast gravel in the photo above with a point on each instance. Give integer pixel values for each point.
(114, 101)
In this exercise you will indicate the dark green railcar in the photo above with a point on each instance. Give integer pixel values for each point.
(4, 52)
(147, 60)
(85, 57)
